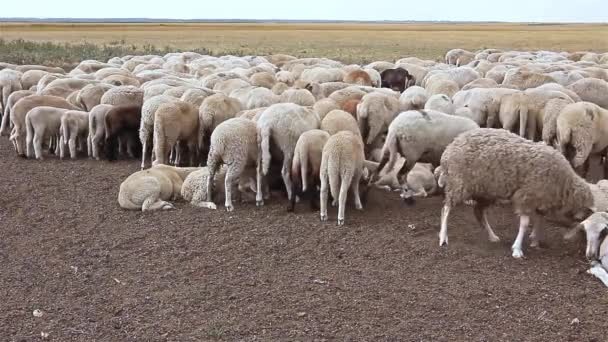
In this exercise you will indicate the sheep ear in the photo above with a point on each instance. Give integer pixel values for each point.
(573, 232)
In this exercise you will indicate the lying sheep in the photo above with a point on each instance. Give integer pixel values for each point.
(581, 132)
(234, 143)
(306, 165)
(441, 103)
(151, 189)
(420, 136)
(420, 182)
(595, 228)
(74, 129)
(194, 188)
(341, 170)
(550, 187)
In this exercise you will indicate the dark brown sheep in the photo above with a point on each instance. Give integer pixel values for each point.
(122, 122)
(397, 79)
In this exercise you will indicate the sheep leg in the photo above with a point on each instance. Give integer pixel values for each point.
(61, 147)
(537, 236)
(344, 185)
(231, 177)
(58, 143)
(524, 221)
(443, 233)
(89, 145)
(323, 194)
(95, 146)
(259, 200)
(285, 172)
(72, 146)
(355, 188)
(482, 217)
(37, 141)
(153, 203)
(144, 150)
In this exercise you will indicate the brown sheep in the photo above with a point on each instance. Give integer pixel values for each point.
(122, 121)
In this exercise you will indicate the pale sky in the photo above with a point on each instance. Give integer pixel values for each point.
(456, 10)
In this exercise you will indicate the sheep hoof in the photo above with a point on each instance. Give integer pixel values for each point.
(409, 201)
(443, 241)
(323, 218)
(229, 208)
(334, 203)
(518, 253)
(168, 206)
(340, 222)
(259, 203)
(290, 208)
(358, 206)
(494, 238)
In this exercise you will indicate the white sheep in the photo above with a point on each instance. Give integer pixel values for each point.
(97, 131)
(550, 187)
(12, 99)
(174, 122)
(41, 123)
(441, 103)
(413, 98)
(74, 129)
(146, 127)
(123, 96)
(300, 97)
(338, 120)
(375, 112)
(194, 188)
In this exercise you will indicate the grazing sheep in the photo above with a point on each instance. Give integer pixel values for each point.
(151, 189)
(413, 98)
(524, 79)
(20, 110)
(285, 77)
(196, 96)
(97, 129)
(481, 83)
(214, 110)
(234, 143)
(441, 103)
(122, 122)
(123, 96)
(420, 136)
(174, 122)
(359, 77)
(300, 97)
(263, 79)
(322, 75)
(74, 128)
(375, 113)
(592, 90)
(341, 170)
(397, 79)
(549, 186)
(12, 99)
(90, 96)
(549, 116)
(323, 90)
(595, 228)
(146, 128)
(483, 103)
(339, 120)
(439, 85)
(255, 97)
(228, 86)
(306, 165)
(324, 106)
(10, 81)
(281, 124)
(581, 132)
(41, 123)
(350, 106)
(279, 88)
(194, 188)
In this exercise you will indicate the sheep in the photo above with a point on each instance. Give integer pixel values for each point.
(420, 182)
(420, 136)
(321, 91)
(123, 96)
(380, 66)
(279, 88)
(151, 189)
(324, 106)
(196, 96)
(97, 131)
(42, 123)
(173, 122)
(306, 165)
(90, 96)
(592, 90)
(439, 85)
(24, 68)
(483, 103)
(122, 121)
(581, 132)
(480, 83)
(10, 81)
(146, 127)
(263, 79)
(374, 114)
(64, 86)
(282, 124)
(255, 97)
(339, 120)
(228, 86)
(452, 56)
(233, 143)
(460, 76)
(549, 188)
(412, 98)
(549, 116)
(397, 79)
(20, 110)
(322, 75)
(300, 97)
(214, 110)
(359, 77)
(595, 228)
(558, 87)
(524, 79)
(441, 103)
(285, 77)
(341, 169)
(74, 125)
(176, 92)
(30, 78)
(194, 188)
(12, 99)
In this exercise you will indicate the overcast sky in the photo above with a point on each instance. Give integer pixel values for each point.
(457, 10)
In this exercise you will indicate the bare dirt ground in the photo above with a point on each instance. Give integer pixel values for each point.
(100, 273)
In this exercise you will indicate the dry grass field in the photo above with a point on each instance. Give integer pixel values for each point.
(355, 43)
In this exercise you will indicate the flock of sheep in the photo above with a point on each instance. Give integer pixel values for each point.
(483, 127)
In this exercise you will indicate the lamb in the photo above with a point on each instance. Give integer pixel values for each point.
(90, 96)
(375, 113)
(359, 77)
(441, 103)
(300, 97)
(146, 128)
(549, 116)
(194, 188)
(122, 121)
(581, 131)
(306, 165)
(550, 187)
(413, 98)
(214, 110)
(255, 97)
(234, 143)
(595, 228)
(173, 122)
(123, 96)
(41, 123)
(151, 189)
(12, 99)
(339, 120)
(97, 129)
(420, 136)
(591, 90)
(341, 169)
(282, 124)
(74, 125)
(20, 110)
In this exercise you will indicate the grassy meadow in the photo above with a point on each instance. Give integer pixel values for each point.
(65, 43)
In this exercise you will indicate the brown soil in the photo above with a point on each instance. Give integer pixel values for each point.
(100, 273)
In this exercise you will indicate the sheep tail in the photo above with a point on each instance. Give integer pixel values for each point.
(265, 149)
